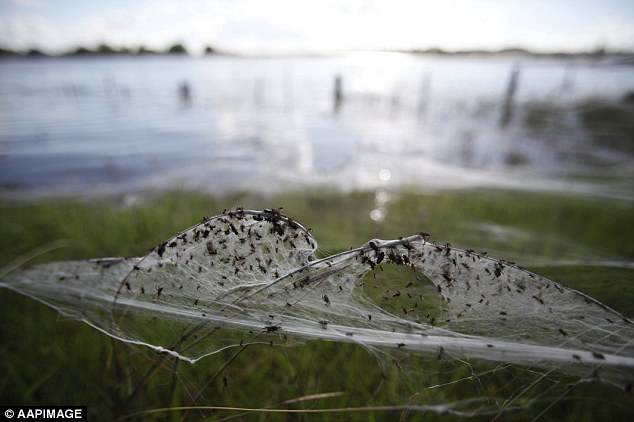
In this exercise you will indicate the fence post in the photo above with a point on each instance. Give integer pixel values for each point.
(338, 93)
(423, 100)
(507, 111)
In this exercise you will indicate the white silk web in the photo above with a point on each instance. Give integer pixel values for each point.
(248, 277)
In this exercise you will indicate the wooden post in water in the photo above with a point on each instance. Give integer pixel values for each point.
(507, 111)
(184, 94)
(568, 81)
(338, 94)
(423, 100)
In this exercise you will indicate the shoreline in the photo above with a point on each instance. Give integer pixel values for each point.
(627, 57)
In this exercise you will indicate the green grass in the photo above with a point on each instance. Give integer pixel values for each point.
(610, 125)
(47, 360)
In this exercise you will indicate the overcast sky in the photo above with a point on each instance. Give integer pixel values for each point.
(254, 26)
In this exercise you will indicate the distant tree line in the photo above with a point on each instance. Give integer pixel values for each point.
(597, 52)
(105, 49)
(178, 48)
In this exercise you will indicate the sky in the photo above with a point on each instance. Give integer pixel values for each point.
(279, 26)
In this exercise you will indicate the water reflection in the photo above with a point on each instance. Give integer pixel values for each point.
(381, 199)
(378, 214)
(222, 123)
(385, 175)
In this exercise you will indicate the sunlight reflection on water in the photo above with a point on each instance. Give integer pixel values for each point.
(117, 124)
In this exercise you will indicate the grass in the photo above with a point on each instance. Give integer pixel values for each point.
(609, 125)
(46, 360)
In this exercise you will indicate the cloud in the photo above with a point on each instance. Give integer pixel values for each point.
(33, 32)
(254, 25)
(28, 3)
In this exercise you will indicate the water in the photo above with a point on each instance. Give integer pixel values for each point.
(112, 125)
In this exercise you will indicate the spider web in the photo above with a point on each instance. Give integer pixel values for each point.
(248, 277)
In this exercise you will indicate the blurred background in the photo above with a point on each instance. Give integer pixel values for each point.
(114, 98)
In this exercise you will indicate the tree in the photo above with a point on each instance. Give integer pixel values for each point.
(82, 51)
(144, 50)
(106, 49)
(7, 52)
(177, 49)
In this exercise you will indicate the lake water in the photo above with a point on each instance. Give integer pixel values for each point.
(113, 125)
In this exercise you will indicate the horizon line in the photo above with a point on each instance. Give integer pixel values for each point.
(104, 49)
